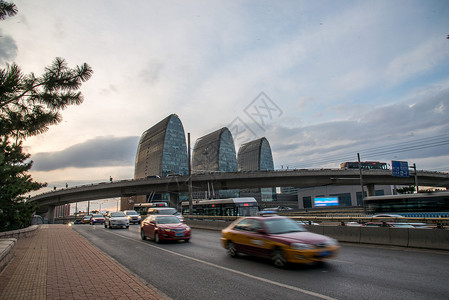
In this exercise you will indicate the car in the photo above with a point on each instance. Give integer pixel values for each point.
(165, 211)
(387, 216)
(96, 219)
(278, 238)
(164, 228)
(132, 216)
(388, 224)
(86, 219)
(307, 223)
(116, 219)
(278, 208)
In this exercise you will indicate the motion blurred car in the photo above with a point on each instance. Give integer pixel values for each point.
(388, 216)
(279, 238)
(96, 219)
(165, 211)
(164, 228)
(116, 219)
(133, 216)
(388, 224)
(86, 219)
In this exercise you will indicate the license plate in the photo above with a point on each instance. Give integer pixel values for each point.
(179, 234)
(324, 254)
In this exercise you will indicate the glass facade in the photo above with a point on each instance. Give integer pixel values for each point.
(256, 156)
(162, 150)
(216, 152)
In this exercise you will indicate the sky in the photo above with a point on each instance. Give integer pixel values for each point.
(321, 80)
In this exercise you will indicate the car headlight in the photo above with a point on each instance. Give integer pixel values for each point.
(138, 217)
(301, 246)
(188, 229)
(332, 242)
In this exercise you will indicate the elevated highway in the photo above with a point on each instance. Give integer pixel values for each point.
(238, 180)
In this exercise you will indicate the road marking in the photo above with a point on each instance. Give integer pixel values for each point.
(321, 296)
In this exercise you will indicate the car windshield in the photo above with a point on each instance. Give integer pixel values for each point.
(98, 216)
(117, 214)
(281, 225)
(131, 213)
(168, 220)
(86, 217)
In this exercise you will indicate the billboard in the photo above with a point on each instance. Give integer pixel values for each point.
(326, 201)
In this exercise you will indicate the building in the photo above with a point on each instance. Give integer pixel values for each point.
(215, 152)
(256, 156)
(162, 151)
(348, 195)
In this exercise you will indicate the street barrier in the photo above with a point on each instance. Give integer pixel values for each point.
(435, 238)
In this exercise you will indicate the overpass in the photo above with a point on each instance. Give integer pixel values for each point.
(234, 180)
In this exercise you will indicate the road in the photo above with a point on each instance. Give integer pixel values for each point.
(201, 269)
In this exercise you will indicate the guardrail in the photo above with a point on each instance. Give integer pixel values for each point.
(339, 220)
(437, 238)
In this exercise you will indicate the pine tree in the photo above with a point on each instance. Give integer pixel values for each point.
(29, 105)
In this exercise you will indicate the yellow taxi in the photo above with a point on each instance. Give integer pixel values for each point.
(279, 238)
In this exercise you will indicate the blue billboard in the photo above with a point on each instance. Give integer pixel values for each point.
(326, 201)
(399, 168)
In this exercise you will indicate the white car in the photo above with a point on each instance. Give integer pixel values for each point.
(116, 219)
(132, 216)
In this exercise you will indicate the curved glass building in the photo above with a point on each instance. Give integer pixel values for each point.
(162, 150)
(216, 152)
(256, 156)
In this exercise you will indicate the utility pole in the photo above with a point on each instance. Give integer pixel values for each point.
(416, 178)
(361, 182)
(190, 175)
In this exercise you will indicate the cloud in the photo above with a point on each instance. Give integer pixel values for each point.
(98, 152)
(383, 133)
(8, 49)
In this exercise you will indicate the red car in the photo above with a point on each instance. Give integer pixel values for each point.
(96, 219)
(164, 228)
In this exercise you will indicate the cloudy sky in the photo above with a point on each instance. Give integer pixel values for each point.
(321, 80)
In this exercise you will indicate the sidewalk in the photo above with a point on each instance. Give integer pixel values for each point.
(58, 263)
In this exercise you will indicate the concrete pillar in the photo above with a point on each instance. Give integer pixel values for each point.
(51, 214)
(371, 189)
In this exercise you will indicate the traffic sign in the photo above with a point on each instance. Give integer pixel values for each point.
(399, 168)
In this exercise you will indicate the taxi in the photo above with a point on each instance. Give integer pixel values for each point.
(279, 238)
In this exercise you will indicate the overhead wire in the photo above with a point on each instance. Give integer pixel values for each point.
(413, 145)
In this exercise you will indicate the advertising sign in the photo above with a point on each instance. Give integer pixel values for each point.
(327, 201)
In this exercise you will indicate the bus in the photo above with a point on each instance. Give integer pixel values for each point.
(222, 207)
(421, 205)
(142, 208)
(370, 165)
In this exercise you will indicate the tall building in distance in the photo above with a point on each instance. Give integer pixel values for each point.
(216, 152)
(162, 151)
(256, 156)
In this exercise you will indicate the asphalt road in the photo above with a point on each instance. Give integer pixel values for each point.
(201, 269)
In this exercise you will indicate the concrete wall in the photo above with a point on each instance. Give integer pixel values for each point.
(404, 237)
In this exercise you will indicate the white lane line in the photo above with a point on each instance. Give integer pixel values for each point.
(235, 271)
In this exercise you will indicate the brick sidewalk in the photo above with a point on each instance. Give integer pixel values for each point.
(58, 263)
